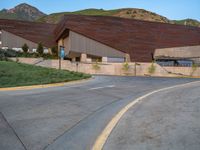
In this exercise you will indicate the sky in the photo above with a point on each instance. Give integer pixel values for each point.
(172, 9)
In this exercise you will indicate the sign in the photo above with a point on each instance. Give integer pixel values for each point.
(62, 52)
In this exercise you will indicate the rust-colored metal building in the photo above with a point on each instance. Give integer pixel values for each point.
(14, 33)
(126, 38)
(110, 39)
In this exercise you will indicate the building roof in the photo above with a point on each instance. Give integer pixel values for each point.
(135, 37)
(32, 31)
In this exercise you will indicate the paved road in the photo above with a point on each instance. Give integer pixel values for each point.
(168, 120)
(69, 117)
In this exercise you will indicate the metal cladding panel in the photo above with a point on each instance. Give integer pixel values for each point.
(12, 41)
(32, 31)
(178, 52)
(138, 38)
(82, 44)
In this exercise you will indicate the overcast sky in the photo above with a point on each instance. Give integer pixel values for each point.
(172, 9)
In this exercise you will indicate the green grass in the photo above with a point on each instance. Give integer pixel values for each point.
(55, 17)
(16, 74)
(190, 22)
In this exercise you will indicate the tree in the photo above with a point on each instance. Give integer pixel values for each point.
(40, 48)
(25, 48)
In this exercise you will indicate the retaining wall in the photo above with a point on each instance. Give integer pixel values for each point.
(138, 69)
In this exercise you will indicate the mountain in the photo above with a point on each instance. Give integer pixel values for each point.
(132, 13)
(190, 22)
(30, 13)
(22, 12)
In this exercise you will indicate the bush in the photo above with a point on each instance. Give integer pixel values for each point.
(54, 50)
(125, 66)
(40, 49)
(4, 54)
(194, 68)
(152, 68)
(96, 66)
(25, 48)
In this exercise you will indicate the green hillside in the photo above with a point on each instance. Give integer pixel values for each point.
(132, 13)
(55, 17)
(27, 12)
(124, 13)
(190, 22)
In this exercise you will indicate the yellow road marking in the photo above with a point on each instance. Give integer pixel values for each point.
(101, 140)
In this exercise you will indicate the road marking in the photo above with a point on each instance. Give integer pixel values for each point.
(101, 140)
(101, 87)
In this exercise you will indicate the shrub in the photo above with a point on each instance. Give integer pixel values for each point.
(40, 49)
(54, 50)
(125, 66)
(194, 68)
(96, 66)
(4, 54)
(25, 48)
(152, 68)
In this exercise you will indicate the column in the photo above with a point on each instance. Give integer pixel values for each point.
(83, 57)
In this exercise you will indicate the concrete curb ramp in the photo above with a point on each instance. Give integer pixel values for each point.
(102, 138)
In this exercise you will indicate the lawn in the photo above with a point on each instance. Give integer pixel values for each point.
(17, 74)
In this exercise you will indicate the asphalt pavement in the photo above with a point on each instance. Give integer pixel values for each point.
(69, 117)
(168, 120)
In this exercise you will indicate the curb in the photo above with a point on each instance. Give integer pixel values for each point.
(44, 85)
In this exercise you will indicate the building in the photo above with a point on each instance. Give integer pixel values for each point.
(102, 38)
(117, 39)
(14, 34)
(178, 56)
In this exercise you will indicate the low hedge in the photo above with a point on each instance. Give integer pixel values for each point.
(4, 54)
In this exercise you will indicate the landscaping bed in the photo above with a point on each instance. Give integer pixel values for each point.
(17, 74)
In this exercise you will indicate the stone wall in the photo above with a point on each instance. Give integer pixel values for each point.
(139, 69)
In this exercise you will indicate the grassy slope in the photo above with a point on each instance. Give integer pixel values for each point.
(17, 74)
(55, 17)
(190, 22)
(126, 13)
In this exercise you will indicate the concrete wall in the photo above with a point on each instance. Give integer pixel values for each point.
(142, 69)
(12, 41)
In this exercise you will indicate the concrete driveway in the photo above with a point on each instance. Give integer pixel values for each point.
(69, 117)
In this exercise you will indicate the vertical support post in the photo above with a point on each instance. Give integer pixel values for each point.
(135, 69)
(76, 66)
(83, 57)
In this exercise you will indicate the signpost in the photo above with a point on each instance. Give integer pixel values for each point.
(61, 55)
